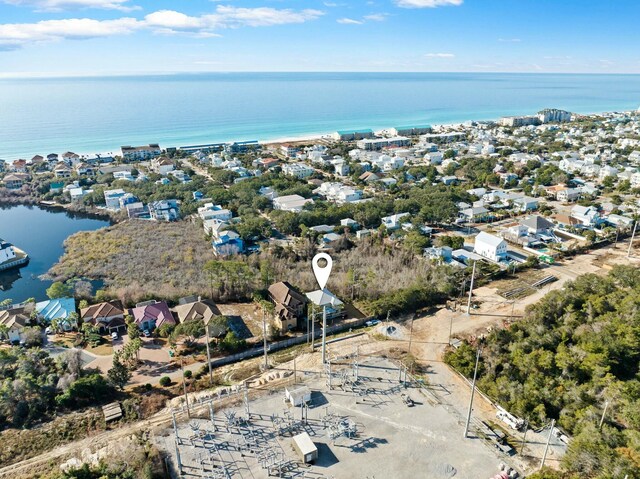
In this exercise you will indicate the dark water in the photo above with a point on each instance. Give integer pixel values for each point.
(40, 233)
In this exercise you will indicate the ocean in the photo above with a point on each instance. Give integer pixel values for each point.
(91, 115)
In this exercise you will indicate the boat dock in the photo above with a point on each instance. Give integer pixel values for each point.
(21, 259)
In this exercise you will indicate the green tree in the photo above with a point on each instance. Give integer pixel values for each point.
(59, 290)
(188, 332)
(132, 327)
(415, 242)
(454, 242)
(119, 374)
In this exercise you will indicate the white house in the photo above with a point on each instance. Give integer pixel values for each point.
(210, 211)
(293, 203)
(338, 193)
(607, 171)
(162, 165)
(77, 194)
(490, 246)
(112, 198)
(477, 192)
(394, 222)
(536, 225)
(340, 167)
(299, 170)
(493, 196)
(619, 221)
(123, 175)
(435, 158)
(525, 203)
(567, 195)
(586, 215)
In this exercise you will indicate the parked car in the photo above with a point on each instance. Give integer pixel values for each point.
(146, 333)
(372, 322)
(114, 335)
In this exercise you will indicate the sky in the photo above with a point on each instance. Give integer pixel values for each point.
(114, 37)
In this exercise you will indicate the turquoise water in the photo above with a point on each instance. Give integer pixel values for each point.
(89, 115)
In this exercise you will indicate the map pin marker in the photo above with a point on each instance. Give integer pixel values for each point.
(322, 273)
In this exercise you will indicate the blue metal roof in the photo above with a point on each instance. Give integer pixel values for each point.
(350, 132)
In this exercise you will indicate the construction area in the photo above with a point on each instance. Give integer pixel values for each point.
(363, 417)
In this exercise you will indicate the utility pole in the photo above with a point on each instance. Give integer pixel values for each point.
(313, 329)
(633, 235)
(524, 436)
(184, 388)
(264, 339)
(546, 448)
(206, 332)
(324, 333)
(473, 392)
(450, 328)
(606, 405)
(411, 334)
(473, 275)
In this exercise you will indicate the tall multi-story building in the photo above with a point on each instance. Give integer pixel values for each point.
(549, 115)
(378, 143)
(141, 153)
(352, 135)
(515, 121)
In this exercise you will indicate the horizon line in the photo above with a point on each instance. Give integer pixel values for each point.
(52, 75)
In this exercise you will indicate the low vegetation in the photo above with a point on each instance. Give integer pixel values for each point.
(134, 458)
(35, 386)
(574, 351)
(139, 260)
(21, 444)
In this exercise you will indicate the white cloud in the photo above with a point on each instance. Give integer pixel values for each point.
(171, 19)
(427, 3)
(440, 55)
(376, 17)
(13, 36)
(261, 17)
(17, 34)
(349, 21)
(59, 5)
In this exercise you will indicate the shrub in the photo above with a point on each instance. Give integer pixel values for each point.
(165, 381)
(165, 330)
(85, 391)
(188, 374)
(231, 343)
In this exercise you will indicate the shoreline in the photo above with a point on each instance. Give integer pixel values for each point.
(328, 135)
(97, 214)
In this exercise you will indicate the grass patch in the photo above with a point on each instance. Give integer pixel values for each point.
(104, 349)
